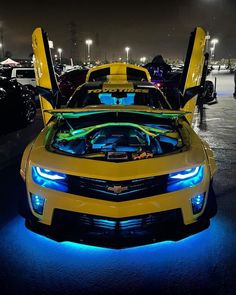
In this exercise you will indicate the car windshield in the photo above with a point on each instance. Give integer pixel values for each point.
(146, 96)
(25, 74)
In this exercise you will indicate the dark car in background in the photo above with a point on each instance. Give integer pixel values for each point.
(69, 81)
(170, 85)
(17, 107)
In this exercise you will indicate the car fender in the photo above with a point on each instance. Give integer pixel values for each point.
(25, 159)
(211, 158)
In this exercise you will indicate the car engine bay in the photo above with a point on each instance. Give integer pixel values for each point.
(118, 141)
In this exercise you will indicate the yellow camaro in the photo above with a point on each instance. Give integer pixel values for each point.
(118, 158)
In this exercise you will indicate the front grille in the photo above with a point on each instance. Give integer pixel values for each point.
(86, 222)
(117, 190)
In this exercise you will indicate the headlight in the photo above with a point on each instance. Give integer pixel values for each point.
(185, 174)
(50, 179)
(185, 178)
(49, 174)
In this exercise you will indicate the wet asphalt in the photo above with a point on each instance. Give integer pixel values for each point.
(199, 264)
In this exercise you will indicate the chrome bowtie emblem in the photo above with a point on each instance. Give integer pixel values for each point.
(117, 189)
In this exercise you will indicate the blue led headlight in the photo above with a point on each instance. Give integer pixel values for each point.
(185, 174)
(50, 179)
(49, 174)
(185, 178)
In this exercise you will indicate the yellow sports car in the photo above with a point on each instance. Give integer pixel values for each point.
(118, 158)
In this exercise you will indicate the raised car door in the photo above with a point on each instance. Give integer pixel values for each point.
(193, 71)
(44, 73)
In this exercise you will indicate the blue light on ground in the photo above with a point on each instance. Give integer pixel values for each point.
(69, 266)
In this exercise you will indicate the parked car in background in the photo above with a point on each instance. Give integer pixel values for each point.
(25, 76)
(17, 107)
(70, 80)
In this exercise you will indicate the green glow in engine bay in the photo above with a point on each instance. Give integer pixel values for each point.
(73, 134)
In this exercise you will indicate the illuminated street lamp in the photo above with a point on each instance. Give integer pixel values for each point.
(143, 60)
(127, 49)
(59, 50)
(213, 42)
(212, 51)
(88, 42)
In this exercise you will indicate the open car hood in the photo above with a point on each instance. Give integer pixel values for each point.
(50, 94)
(79, 112)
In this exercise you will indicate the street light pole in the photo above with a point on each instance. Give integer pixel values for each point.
(212, 51)
(88, 42)
(208, 37)
(1, 55)
(1, 41)
(127, 49)
(59, 52)
(213, 42)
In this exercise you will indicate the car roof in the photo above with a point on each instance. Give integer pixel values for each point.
(135, 84)
(118, 71)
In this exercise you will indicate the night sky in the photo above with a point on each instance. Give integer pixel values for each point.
(151, 28)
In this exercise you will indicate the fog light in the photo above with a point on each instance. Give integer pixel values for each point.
(37, 203)
(197, 203)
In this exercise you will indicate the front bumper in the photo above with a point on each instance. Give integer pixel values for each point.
(160, 217)
(116, 233)
(106, 209)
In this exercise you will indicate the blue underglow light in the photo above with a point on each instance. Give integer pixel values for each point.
(37, 203)
(40, 176)
(197, 203)
(105, 223)
(187, 178)
(123, 224)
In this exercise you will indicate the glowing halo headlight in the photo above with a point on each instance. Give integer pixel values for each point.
(50, 179)
(185, 178)
(185, 174)
(49, 174)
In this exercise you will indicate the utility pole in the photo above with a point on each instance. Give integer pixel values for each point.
(208, 37)
(1, 42)
(73, 42)
(97, 46)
